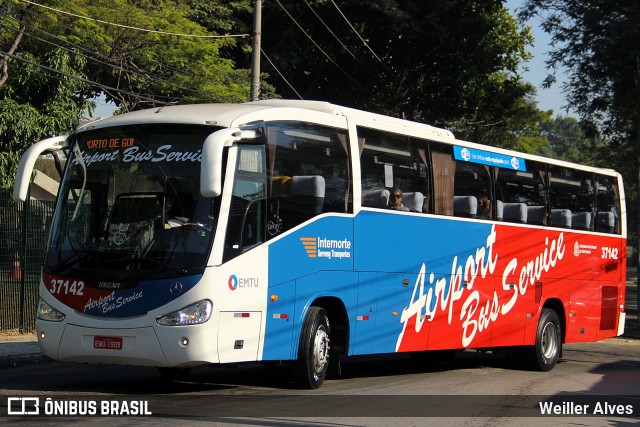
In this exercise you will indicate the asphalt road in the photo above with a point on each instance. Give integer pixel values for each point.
(476, 390)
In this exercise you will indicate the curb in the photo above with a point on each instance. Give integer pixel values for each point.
(16, 360)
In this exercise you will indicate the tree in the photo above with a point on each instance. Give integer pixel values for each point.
(596, 41)
(34, 105)
(177, 61)
(517, 126)
(53, 62)
(567, 140)
(450, 63)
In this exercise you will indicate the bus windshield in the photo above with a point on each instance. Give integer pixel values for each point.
(129, 206)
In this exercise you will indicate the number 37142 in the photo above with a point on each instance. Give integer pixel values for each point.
(61, 286)
(609, 253)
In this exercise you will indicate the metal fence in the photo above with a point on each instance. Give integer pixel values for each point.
(24, 229)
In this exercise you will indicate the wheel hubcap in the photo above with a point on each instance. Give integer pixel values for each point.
(549, 343)
(320, 350)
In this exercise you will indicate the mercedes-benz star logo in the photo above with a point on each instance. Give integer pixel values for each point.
(175, 288)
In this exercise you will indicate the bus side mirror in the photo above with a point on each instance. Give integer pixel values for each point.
(211, 164)
(28, 161)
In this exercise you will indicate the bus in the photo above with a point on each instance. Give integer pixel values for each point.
(269, 231)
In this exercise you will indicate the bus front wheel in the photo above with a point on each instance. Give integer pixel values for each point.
(314, 349)
(544, 355)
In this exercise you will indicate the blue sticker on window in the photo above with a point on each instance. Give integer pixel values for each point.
(487, 158)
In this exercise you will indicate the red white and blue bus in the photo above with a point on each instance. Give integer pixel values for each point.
(269, 231)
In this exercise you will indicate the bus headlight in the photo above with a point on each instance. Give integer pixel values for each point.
(46, 312)
(194, 314)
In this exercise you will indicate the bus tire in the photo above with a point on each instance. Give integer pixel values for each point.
(544, 355)
(314, 349)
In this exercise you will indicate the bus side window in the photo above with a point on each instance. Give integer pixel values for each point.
(462, 188)
(391, 161)
(521, 194)
(419, 200)
(305, 199)
(608, 209)
(472, 191)
(444, 169)
(309, 173)
(571, 198)
(246, 214)
(252, 226)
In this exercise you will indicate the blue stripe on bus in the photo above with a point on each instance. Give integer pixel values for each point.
(372, 277)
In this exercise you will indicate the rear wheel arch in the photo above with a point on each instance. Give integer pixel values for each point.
(547, 349)
(324, 337)
(556, 305)
(337, 313)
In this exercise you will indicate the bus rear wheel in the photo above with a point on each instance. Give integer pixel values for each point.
(544, 355)
(314, 349)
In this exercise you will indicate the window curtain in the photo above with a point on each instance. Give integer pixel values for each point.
(444, 171)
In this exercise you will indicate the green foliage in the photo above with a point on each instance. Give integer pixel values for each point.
(517, 125)
(60, 53)
(34, 105)
(155, 68)
(568, 141)
(452, 64)
(596, 42)
(179, 61)
(9, 165)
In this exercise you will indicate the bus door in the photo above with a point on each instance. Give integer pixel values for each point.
(243, 278)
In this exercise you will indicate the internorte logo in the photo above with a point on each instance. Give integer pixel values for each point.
(310, 246)
(321, 247)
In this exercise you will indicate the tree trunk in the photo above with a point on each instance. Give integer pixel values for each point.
(4, 58)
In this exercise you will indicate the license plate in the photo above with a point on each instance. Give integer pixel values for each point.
(107, 343)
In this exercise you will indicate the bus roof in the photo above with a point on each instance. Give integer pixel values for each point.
(227, 115)
(230, 115)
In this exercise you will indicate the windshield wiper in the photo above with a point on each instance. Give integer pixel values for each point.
(73, 258)
(160, 263)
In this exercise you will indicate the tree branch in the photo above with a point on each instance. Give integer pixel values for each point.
(4, 59)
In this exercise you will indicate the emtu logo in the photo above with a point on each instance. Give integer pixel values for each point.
(310, 246)
(233, 282)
